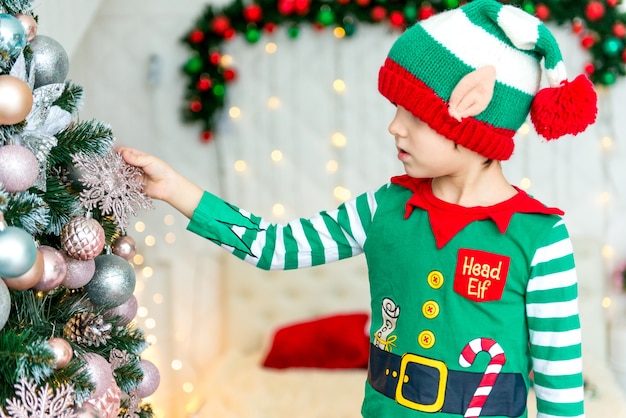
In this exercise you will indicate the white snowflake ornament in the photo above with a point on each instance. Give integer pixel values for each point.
(40, 402)
(111, 185)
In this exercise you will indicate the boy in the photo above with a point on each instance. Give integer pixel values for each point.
(472, 281)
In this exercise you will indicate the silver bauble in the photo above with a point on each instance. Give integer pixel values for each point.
(113, 282)
(18, 252)
(19, 167)
(5, 303)
(12, 35)
(50, 60)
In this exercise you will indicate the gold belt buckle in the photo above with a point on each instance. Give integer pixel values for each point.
(441, 390)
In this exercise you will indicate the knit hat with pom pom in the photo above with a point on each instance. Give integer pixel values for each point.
(474, 74)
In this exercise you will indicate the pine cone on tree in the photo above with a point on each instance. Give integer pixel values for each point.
(87, 328)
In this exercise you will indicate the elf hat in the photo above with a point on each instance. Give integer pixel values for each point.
(473, 74)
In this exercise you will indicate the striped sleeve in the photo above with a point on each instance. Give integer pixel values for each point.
(554, 327)
(325, 237)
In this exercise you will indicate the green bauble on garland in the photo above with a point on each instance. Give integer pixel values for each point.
(599, 25)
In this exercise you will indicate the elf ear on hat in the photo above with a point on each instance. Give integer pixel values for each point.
(473, 74)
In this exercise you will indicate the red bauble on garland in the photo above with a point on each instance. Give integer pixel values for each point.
(195, 106)
(215, 58)
(196, 36)
(253, 13)
(204, 84)
(426, 11)
(220, 25)
(206, 136)
(378, 13)
(396, 18)
(587, 41)
(542, 12)
(594, 10)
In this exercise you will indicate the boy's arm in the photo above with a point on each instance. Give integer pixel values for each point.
(554, 328)
(323, 238)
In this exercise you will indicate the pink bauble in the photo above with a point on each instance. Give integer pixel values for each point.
(16, 100)
(82, 238)
(126, 312)
(19, 167)
(151, 379)
(108, 405)
(100, 373)
(30, 278)
(30, 25)
(54, 269)
(125, 247)
(79, 272)
(63, 352)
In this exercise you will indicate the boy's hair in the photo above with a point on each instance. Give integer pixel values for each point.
(473, 74)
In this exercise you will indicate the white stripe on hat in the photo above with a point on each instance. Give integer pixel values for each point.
(557, 74)
(520, 27)
(476, 47)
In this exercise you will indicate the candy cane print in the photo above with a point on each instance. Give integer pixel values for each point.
(466, 359)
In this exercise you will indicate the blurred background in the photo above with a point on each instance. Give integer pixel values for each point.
(303, 129)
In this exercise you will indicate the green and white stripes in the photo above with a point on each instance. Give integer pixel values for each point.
(554, 327)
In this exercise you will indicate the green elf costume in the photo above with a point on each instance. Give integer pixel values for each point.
(466, 302)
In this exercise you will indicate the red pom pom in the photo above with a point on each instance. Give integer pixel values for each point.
(567, 109)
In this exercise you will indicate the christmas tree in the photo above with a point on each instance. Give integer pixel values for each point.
(68, 343)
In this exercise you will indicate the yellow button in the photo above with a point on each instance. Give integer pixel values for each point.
(435, 279)
(426, 339)
(430, 309)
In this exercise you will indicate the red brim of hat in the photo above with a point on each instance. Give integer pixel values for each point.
(402, 88)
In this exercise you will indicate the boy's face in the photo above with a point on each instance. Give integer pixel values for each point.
(424, 152)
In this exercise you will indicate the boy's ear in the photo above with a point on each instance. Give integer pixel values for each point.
(473, 93)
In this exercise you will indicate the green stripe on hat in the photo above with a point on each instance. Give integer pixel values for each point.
(549, 48)
(433, 57)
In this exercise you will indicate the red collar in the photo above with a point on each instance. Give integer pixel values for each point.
(448, 219)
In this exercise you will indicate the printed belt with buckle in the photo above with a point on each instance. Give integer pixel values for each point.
(427, 385)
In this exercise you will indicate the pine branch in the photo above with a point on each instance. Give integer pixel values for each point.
(72, 98)
(63, 205)
(88, 137)
(27, 211)
(14, 7)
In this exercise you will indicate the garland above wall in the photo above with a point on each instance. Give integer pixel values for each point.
(599, 25)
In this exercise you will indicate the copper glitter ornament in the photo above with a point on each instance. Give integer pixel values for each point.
(82, 238)
(30, 25)
(63, 352)
(125, 247)
(54, 269)
(16, 100)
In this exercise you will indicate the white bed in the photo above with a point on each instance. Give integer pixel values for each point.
(255, 307)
